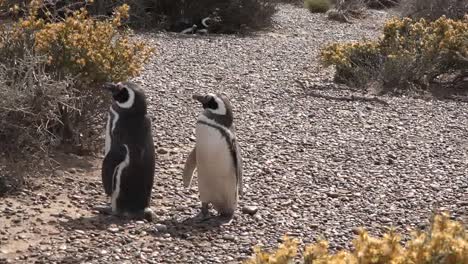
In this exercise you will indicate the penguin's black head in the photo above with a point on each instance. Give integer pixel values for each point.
(127, 97)
(217, 107)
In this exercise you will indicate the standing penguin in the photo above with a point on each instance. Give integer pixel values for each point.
(129, 162)
(216, 156)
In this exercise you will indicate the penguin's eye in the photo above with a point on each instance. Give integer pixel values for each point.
(212, 104)
(122, 96)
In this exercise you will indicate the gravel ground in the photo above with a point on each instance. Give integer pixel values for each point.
(313, 167)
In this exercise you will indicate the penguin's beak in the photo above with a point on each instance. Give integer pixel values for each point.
(111, 87)
(199, 98)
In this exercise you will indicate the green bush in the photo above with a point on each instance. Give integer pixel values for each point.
(411, 55)
(317, 6)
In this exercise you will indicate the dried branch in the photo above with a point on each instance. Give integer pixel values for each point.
(350, 98)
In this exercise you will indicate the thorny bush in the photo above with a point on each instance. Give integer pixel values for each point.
(410, 55)
(446, 242)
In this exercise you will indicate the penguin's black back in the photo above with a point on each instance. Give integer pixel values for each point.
(137, 179)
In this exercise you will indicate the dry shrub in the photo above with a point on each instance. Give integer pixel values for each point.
(50, 74)
(433, 9)
(346, 9)
(229, 16)
(411, 55)
(445, 242)
(292, 2)
(317, 6)
(381, 4)
(78, 47)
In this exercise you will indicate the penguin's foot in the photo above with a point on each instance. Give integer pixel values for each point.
(204, 214)
(148, 214)
(205, 210)
(225, 218)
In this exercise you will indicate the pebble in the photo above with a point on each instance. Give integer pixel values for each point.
(251, 210)
(113, 229)
(229, 237)
(160, 228)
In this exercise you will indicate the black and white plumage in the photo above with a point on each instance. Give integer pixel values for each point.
(129, 162)
(216, 156)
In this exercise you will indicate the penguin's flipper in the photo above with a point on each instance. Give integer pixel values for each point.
(239, 170)
(115, 156)
(190, 165)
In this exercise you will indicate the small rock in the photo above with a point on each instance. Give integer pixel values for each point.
(251, 210)
(59, 173)
(113, 229)
(333, 194)
(314, 225)
(229, 237)
(162, 151)
(160, 228)
(147, 250)
(385, 220)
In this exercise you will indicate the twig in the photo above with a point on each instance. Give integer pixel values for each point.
(343, 98)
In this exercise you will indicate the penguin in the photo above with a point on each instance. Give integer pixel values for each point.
(216, 156)
(129, 161)
(198, 28)
(191, 30)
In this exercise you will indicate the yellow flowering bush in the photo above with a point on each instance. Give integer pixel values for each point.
(285, 254)
(50, 67)
(94, 50)
(446, 242)
(409, 54)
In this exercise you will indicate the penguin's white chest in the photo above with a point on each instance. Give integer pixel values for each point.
(112, 119)
(216, 173)
(108, 135)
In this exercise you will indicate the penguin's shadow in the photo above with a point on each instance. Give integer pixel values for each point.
(192, 226)
(95, 222)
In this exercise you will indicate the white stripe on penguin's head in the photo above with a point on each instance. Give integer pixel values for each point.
(131, 99)
(221, 109)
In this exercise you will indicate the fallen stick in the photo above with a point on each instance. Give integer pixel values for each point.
(342, 98)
